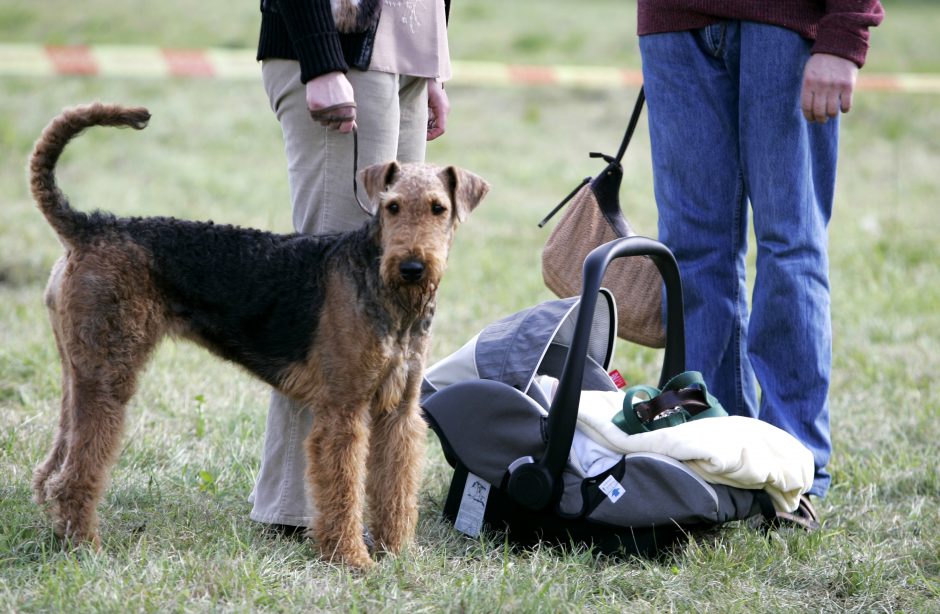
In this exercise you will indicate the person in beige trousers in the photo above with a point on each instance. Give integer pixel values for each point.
(328, 68)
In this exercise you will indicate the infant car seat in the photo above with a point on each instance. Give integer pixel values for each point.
(509, 444)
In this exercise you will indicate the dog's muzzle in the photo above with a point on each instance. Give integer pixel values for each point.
(411, 271)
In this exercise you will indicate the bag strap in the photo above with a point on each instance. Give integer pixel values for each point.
(631, 127)
(564, 202)
(609, 180)
(628, 135)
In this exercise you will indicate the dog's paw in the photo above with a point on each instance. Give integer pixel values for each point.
(354, 555)
(360, 562)
(39, 485)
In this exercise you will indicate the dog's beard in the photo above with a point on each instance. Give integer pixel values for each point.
(414, 297)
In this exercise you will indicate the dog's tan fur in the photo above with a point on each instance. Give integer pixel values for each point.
(117, 292)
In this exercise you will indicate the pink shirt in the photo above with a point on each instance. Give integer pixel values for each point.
(411, 39)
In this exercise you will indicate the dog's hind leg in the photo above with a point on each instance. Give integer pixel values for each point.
(104, 338)
(95, 411)
(396, 459)
(91, 444)
(56, 455)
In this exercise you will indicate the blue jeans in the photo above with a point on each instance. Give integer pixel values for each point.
(726, 130)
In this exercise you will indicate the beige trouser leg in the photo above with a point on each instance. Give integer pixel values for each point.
(392, 120)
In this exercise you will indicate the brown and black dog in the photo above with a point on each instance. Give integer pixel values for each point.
(340, 323)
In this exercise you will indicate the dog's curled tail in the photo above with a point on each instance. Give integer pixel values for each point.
(70, 123)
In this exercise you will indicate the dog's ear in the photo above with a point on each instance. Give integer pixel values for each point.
(466, 190)
(376, 178)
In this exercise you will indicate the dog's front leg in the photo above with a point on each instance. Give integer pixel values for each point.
(336, 456)
(396, 460)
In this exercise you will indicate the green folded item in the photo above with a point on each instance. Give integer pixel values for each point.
(685, 397)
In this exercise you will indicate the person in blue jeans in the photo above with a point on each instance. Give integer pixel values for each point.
(744, 101)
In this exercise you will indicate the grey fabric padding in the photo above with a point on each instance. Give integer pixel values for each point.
(460, 366)
(736, 503)
(571, 503)
(539, 396)
(488, 425)
(659, 489)
(427, 389)
(595, 375)
(512, 349)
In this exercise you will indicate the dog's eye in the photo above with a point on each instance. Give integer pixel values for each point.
(393, 207)
(437, 208)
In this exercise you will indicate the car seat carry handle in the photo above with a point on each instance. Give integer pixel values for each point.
(533, 485)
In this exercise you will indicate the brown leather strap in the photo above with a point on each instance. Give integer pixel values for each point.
(691, 399)
(336, 113)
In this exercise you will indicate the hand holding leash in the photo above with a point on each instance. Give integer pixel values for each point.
(331, 102)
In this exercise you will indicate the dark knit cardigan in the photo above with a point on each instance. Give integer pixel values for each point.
(304, 30)
(837, 27)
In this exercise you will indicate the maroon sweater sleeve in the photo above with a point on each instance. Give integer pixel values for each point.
(843, 31)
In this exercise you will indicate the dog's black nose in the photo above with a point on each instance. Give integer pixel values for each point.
(411, 270)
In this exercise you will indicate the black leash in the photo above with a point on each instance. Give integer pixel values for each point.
(355, 134)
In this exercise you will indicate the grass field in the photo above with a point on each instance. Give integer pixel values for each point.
(175, 521)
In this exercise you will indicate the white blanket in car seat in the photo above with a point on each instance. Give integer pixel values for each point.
(736, 451)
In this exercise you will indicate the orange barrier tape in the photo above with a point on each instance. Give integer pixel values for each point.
(132, 61)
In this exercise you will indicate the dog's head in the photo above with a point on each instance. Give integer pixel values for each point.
(419, 207)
